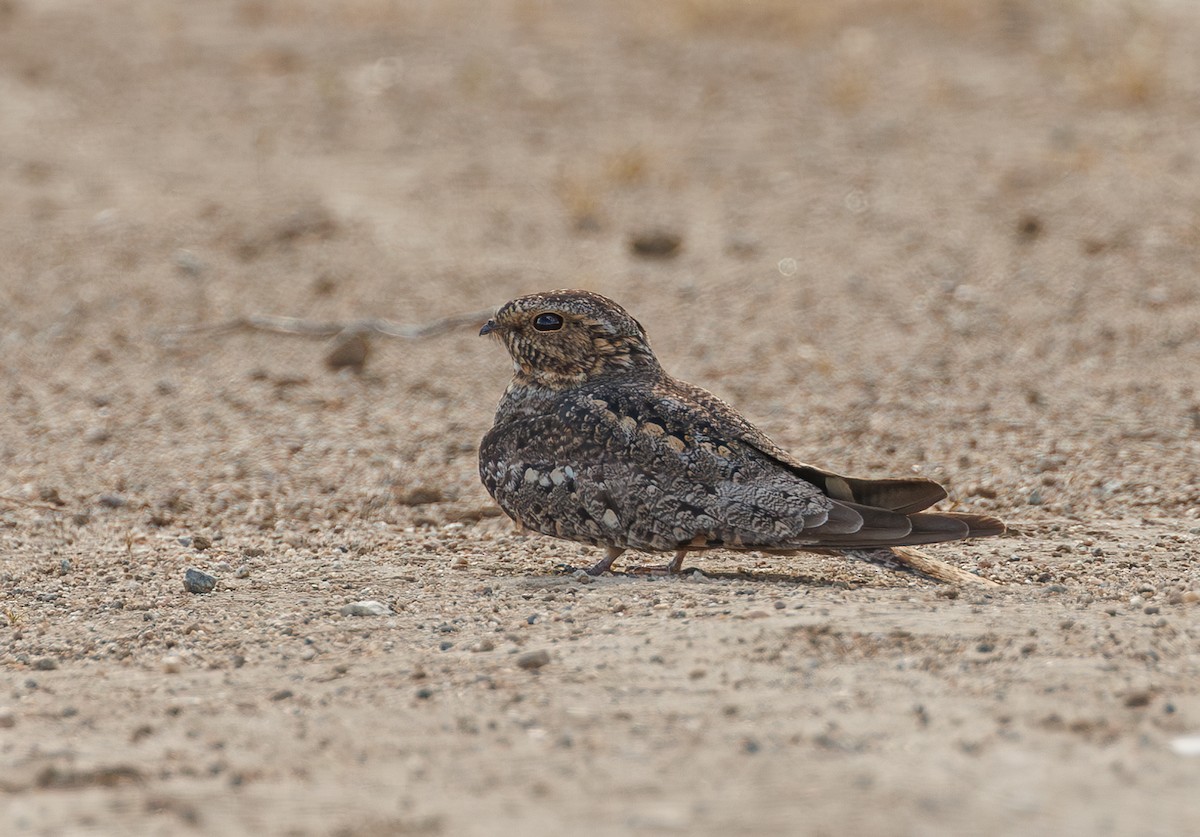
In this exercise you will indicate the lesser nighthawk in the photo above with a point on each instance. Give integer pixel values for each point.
(594, 442)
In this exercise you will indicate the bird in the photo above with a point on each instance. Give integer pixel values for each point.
(594, 442)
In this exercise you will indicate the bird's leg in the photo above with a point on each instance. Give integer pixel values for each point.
(663, 569)
(605, 564)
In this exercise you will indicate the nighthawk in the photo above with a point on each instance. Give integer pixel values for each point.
(594, 442)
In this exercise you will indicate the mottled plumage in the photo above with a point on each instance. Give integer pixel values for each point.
(594, 442)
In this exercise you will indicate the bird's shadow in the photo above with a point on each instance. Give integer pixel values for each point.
(688, 574)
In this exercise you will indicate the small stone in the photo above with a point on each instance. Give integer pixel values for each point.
(282, 694)
(97, 436)
(533, 660)
(1054, 588)
(111, 501)
(45, 664)
(201, 542)
(424, 693)
(1035, 498)
(350, 350)
(459, 563)
(64, 566)
(780, 605)
(1029, 227)
(1136, 601)
(1186, 745)
(656, 244)
(195, 581)
(8, 718)
(365, 608)
(172, 664)
(483, 645)
(1150, 610)
(1138, 698)
(1190, 597)
(242, 571)
(223, 567)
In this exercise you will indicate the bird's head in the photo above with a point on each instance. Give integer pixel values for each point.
(562, 338)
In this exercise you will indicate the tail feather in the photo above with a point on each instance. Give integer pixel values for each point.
(904, 494)
(926, 528)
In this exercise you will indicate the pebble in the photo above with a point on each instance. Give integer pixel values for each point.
(8, 718)
(655, 244)
(195, 581)
(242, 572)
(365, 608)
(223, 567)
(483, 645)
(45, 664)
(1186, 745)
(111, 501)
(533, 660)
(1190, 597)
(1138, 698)
(64, 566)
(172, 664)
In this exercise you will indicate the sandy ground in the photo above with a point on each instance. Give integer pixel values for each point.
(960, 239)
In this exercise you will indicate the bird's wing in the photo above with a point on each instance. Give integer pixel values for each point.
(646, 468)
(904, 495)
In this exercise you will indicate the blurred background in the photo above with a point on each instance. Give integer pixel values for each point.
(961, 237)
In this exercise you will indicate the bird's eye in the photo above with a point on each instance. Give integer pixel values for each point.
(548, 322)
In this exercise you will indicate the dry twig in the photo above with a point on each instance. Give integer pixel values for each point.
(313, 328)
(351, 340)
(914, 560)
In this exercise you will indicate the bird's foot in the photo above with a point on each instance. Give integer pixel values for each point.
(605, 564)
(672, 568)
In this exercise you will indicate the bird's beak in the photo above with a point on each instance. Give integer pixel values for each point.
(488, 328)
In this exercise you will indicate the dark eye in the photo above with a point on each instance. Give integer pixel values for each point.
(548, 322)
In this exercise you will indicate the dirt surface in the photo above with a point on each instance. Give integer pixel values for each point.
(960, 239)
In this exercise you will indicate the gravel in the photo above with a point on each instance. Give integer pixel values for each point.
(195, 581)
(365, 608)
